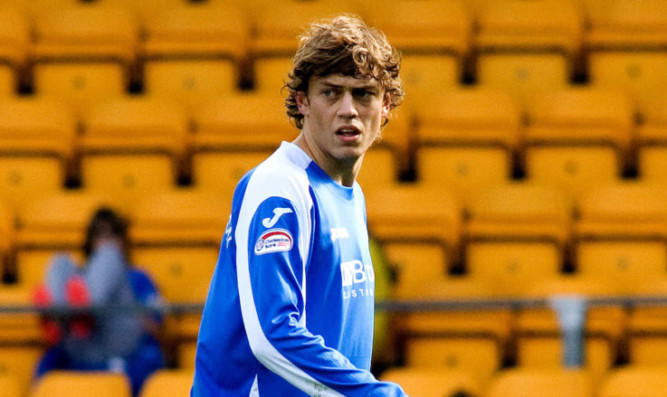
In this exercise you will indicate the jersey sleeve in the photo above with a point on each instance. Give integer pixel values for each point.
(272, 246)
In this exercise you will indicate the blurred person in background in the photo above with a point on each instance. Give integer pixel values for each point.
(123, 341)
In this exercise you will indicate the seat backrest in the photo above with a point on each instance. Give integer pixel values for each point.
(209, 29)
(422, 382)
(168, 383)
(90, 384)
(626, 24)
(14, 35)
(634, 381)
(528, 382)
(529, 25)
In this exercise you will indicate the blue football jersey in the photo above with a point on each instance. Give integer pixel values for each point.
(290, 307)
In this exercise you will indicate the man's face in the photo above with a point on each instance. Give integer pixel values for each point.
(342, 115)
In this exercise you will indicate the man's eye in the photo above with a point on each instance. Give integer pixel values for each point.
(328, 93)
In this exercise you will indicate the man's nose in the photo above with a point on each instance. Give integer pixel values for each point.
(347, 106)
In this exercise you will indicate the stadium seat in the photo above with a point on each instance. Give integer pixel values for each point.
(84, 53)
(18, 363)
(466, 139)
(434, 38)
(619, 235)
(133, 146)
(634, 381)
(7, 236)
(36, 148)
(527, 47)
(420, 382)
(228, 143)
(530, 382)
(10, 386)
(195, 50)
(539, 334)
(276, 32)
(517, 234)
(14, 47)
(168, 383)
(408, 219)
(626, 42)
(652, 143)
(17, 329)
(77, 383)
(176, 236)
(53, 223)
(578, 137)
(186, 352)
(647, 327)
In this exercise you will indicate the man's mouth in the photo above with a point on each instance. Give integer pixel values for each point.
(348, 132)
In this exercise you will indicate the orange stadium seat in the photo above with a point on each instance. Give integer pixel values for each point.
(53, 223)
(620, 234)
(466, 139)
(276, 36)
(517, 234)
(419, 229)
(194, 51)
(578, 137)
(652, 143)
(176, 236)
(420, 382)
(647, 326)
(625, 43)
(7, 236)
(530, 382)
(18, 363)
(527, 47)
(77, 383)
(229, 143)
(36, 148)
(634, 381)
(133, 146)
(84, 53)
(9, 386)
(17, 329)
(14, 47)
(168, 383)
(434, 38)
(538, 332)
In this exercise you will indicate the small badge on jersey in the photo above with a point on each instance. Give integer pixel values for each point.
(274, 240)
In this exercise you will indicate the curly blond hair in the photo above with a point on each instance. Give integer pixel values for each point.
(343, 45)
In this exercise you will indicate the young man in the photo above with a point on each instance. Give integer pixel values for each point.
(290, 307)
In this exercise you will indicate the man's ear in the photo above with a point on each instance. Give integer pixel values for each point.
(386, 104)
(302, 102)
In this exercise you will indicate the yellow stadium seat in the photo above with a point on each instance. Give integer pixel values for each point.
(425, 76)
(228, 144)
(168, 383)
(36, 147)
(17, 329)
(9, 386)
(193, 51)
(176, 236)
(53, 223)
(18, 363)
(652, 143)
(527, 47)
(625, 41)
(517, 234)
(647, 327)
(133, 146)
(270, 74)
(14, 47)
(7, 236)
(634, 381)
(421, 382)
(538, 332)
(576, 138)
(277, 28)
(551, 382)
(408, 219)
(187, 351)
(466, 139)
(84, 53)
(80, 384)
(620, 232)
